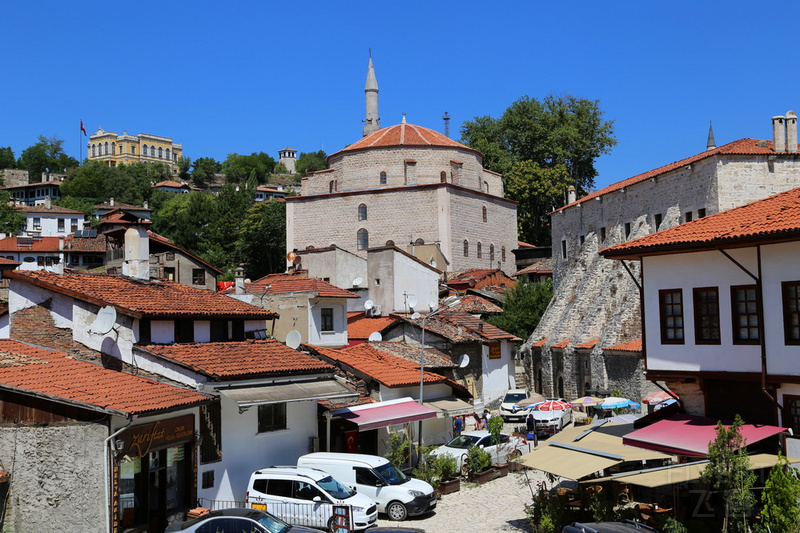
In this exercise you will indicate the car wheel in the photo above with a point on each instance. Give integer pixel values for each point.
(332, 524)
(396, 511)
(464, 467)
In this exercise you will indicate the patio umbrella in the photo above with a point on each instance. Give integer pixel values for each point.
(586, 401)
(615, 402)
(552, 405)
(657, 397)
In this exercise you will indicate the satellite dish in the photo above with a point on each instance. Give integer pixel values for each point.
(106, 317)
(433, 264)
(293, 339)
(368, 305)
(412, 303)
(463, 360)
(357, 282)
(375, 336)
(415, 315)
(433, 305)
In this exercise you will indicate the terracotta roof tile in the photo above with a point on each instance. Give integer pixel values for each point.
(472, 274)
(740, 147)
(587, 345)
(53, 209)
(474, 304)
(289, 283)
(239, 358)
(55, 374)
(120, 205)
(632, 346)
(561, 345)
(359, 327)
(140, 298)
(406, 135)
(774, 218)
(542, 265)
(539, 343)
(85, 244)
(29, 244)
(433, 358)
(463, 327)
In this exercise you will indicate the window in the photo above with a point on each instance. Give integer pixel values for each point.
(701, 212)
(167, 153)
(627, 229)
(791, 412)
(169, 273)
(198, 276)
(94, 151)
(688, 216)
(327, 319)
(113, 148)
(133, 149)
(208, 479)
(73, 225)
(419, 242)
(744, 310)
(657, 218)
(478, 254)
(706, 315)
(152, 151)
(271, 417)
(383, 178)
(144, 150)
(791, 311)
(332, 186)
(443, 176)
(581, 240)
(466, 248)
(484, 214)
(670, 303)
(503, 254)
(184, 330)
(211, 432)
(564, 249)
(160, 153)
(363, 239)
(491, 253)
(144, 331)
(362, 212)
(390, 243)
(105, 147)
(603, 234)
(37, 223)
(486, 187)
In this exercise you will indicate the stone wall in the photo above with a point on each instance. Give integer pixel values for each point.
(57, 477)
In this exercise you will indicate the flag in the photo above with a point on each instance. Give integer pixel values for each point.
(83, 129)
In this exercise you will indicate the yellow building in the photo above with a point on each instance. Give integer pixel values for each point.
(142, 148)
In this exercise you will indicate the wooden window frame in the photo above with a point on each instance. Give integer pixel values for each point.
(271, 417)
(699, 315)
(791, 317)
(736, 314)
(666, 311)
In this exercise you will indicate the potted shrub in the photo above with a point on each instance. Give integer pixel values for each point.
(479, 463)
(447, 469)
(495, 429)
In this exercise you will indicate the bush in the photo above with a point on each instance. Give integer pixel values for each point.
(436, 468)
(397, 450)
(447, 467)
(478, 459)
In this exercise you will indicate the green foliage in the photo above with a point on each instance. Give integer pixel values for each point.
(548, 512)
(7, 159)
(184, 164)
(446, 467)
(311, 162)
(46, 155)
(261, 240)
(12, 220)
(539, 190)
(203, 170)
(478, 459)
(77, 204)
(495, 427)
(673, 526)
(240, 168)
(96, 182)
(524, 306)
(397, 449)
(781, 498)
(601, 508)
(728, 471)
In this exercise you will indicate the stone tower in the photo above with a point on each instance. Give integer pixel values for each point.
(371, 97)
(288, 158)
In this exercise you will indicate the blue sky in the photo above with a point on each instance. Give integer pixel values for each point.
(223, 77)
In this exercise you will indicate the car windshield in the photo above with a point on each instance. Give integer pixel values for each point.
(391, 474)
(273, 524)
(463, 442)
(514, 397)
(335, 489)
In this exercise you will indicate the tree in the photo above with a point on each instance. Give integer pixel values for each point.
(262, 240)
(311, 162)
(728, 471)
(203, 170)
(7, 159)
(524, 306)
(187, 219)
(238, 168)
(47, 155)
(539, 190)
(184, 164)
(96, 182)
(781, 498)
(12, 220)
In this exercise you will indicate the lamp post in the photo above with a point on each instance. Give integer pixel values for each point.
(448, 302)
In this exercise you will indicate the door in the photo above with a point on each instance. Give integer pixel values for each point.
(368, 481)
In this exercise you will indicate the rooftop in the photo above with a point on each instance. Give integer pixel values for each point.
(405, 135)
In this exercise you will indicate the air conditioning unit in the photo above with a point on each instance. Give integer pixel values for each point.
(376, 310)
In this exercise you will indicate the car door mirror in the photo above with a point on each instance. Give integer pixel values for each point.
(316, 499)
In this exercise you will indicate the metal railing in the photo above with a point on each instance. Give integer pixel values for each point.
(312, 514)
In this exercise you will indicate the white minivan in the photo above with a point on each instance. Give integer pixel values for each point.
(396, 494)
(306, 496)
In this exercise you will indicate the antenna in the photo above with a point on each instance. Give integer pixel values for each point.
(357, 282)
(293, 339)
(463, 360)
(446, 119)
(368, 305)
(106, 317)
(375, 336)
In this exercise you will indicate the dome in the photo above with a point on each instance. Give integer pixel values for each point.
(405, 135)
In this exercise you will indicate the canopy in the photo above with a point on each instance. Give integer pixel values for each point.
(382, 414)
(669, 475)
(684, 434)
(552, 405)
(288, 392)
(658, 397)
(451, 406)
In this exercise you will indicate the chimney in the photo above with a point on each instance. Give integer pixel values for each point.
(136, 263)
(570, 194)
(48, 204)
(239, 280)
(111, 202)
(791, 131)
(778, 134)
(145, 205)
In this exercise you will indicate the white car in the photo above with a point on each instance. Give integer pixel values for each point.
(510, 446)
(510, 408)
(548, 423)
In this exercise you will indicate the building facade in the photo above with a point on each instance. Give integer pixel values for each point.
(116, 149)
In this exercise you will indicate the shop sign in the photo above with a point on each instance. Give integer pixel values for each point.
(141, 440)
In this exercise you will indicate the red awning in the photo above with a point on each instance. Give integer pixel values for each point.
(382, 414)
(689, 435)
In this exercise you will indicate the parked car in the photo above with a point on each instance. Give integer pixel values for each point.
(396, 494)
(306, 496)
(237, 521)
(607, 527)
(509, 409)
(510, 446)
(547, 423)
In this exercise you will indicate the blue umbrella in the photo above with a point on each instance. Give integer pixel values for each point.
(615, 402)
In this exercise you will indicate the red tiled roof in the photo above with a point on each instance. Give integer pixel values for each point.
(288, 283)
(171, 183)
(631, 346)
(390, 370)
(120, 205)
(359, 327)
(4, 261)
(540, 343)
(472, 273)
(53, 209)
(587, 345)
(433, 358)
(85, 244)
(140, 298)
(55, 374)
(239, 358)
(474, 304)
(463, 327)
(740, 147)
(29, 244)
(561, 345)
(404, 134)
(543, 265)
(521, 244)
(774, 218)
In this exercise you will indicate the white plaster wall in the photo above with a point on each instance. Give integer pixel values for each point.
(430, 391)
(246, 450)
(5, 326)
(779, 263)
(337, 337)
(419, 281)
(202, 331)
(49, 224)
(162, 331)
(496, 373)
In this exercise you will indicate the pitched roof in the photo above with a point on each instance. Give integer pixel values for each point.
(433, 358)
(543, 265)
(53, 209)
(29, 244)
(462, 327)
(121, 205)
(405, 135)
(588, 345)
(630, 346)
(740, 147)
(360, 327)
(289, 283)
(57, 376)
(141, 298)
(225, 360)
(85, 244)
(474, 304)
(476, 274)
(388, 369)
(776, 218)
(163, 241)
(561, 345)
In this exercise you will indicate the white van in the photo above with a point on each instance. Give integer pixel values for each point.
(396, 494)
(306, 496)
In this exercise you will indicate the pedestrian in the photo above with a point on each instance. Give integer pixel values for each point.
(458, 424)
(481, 422)
(487, 415)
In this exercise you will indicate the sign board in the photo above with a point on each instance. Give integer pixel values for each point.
(342, 519)
(494, 350)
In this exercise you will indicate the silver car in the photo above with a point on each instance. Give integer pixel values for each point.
(237, 521)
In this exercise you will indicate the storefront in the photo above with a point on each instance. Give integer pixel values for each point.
(155, 474)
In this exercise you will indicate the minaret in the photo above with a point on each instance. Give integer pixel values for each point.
(371, 97)
(711, 144)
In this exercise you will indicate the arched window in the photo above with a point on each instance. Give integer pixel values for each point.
(152, 151)
(491, 253)
(94, 151)
(144, 150)
(484, 214)
(168, 153)
(419, 242)
(503, 254)
(443, 176)
(105, 146)
(362, 212)
(160, 153)
(332, 186)
(363, 239)
(479, 251)
(133, 149)
(390, 243)
(466, 248)
(486, 187)
(113, 148)
(383, 178)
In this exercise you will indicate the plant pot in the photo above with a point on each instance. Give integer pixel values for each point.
(515, 466)
(483, 477)
(503, 469)
(447, 487)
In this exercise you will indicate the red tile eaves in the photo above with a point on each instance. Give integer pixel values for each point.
(631, 346)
